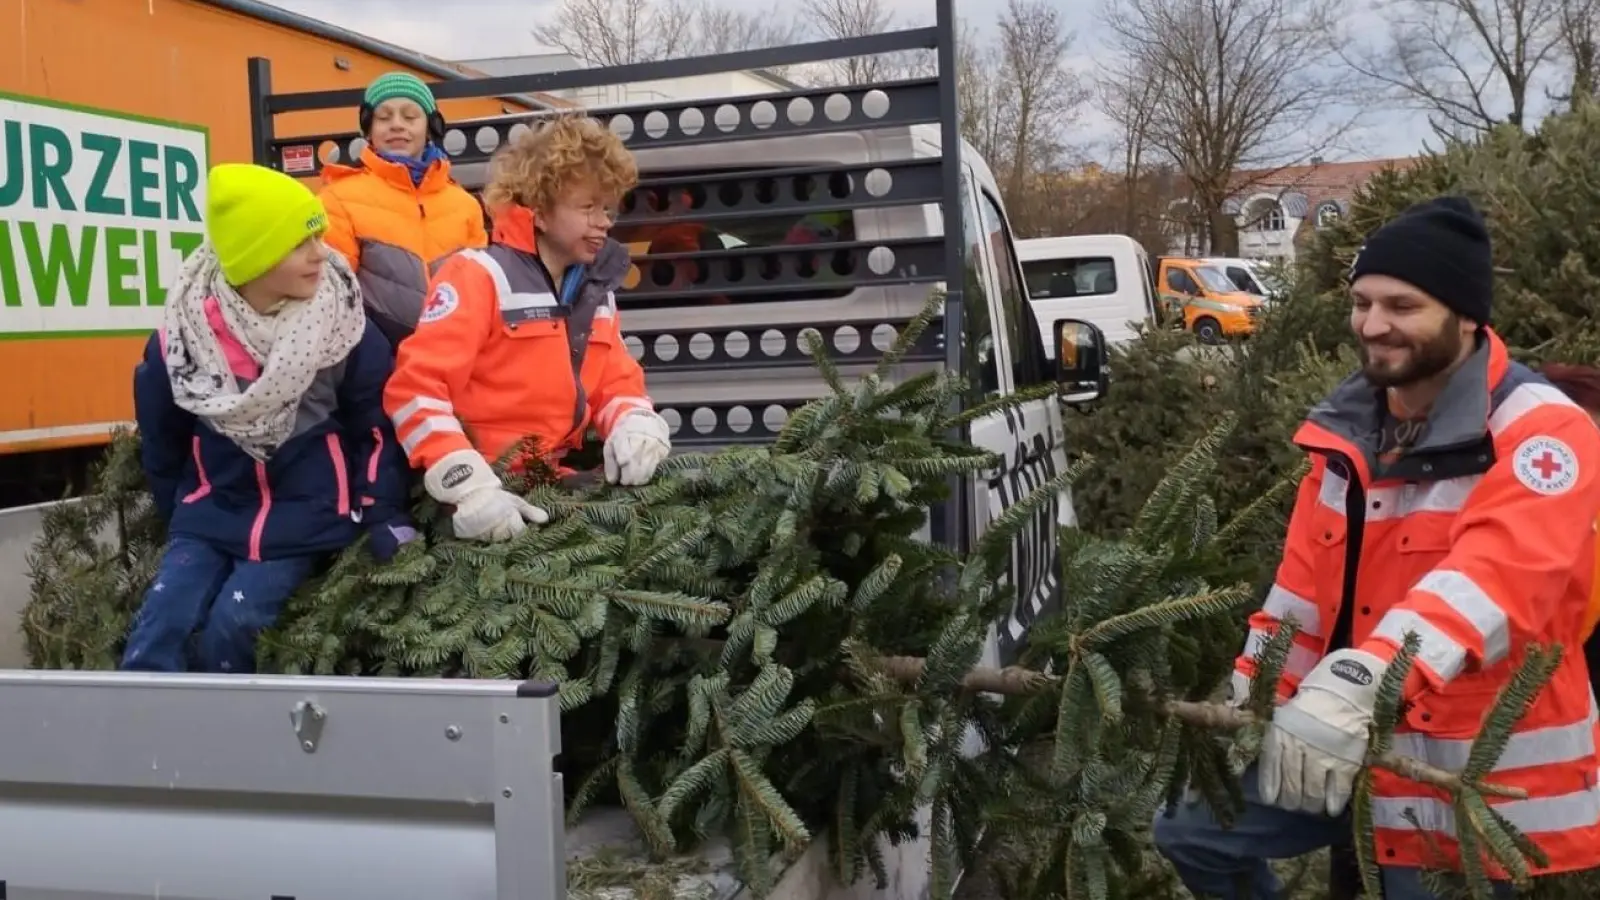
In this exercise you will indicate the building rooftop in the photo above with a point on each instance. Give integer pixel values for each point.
(1320, 181)
(429, 65)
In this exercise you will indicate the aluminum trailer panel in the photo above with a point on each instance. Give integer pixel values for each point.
(201, 787)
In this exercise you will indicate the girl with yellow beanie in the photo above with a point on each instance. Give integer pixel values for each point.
(262, 432)
(396, 214)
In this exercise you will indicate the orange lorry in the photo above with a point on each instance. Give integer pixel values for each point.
(111, 112)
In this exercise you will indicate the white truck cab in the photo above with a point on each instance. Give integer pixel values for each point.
(1099, 278)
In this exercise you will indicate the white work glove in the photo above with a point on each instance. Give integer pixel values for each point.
(1317, 742)
(485, 510)
(638, 443)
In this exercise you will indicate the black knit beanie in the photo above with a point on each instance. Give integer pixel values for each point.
(1440, 246)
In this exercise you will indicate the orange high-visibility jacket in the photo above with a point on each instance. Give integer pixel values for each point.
(396, 234)
(1592, 617)
(502, 354)
(1480, 540)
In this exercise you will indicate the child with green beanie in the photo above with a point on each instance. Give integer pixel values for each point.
(396, 212)
(262, 431)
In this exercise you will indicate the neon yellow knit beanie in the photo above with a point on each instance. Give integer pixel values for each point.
(256, 216)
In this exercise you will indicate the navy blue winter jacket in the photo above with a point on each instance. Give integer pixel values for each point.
(342, 469)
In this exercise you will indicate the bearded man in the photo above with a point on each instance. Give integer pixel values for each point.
(1452, 495)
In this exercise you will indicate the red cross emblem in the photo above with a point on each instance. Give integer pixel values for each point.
(1547, 464)
(439, 304)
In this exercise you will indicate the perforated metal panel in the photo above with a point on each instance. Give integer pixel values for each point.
(758, 219)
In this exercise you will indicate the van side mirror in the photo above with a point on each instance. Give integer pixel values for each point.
(1083, 370)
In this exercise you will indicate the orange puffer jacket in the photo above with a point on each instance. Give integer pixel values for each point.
(396, 234)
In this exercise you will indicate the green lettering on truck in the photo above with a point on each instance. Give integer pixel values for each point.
(119, 268)
(16, 175)
(50, 174)
(98, 211)
(155, 294)
(182, 176)
(186, 241)
(48, 268)
(109, 147)
(9, 288)
(139, 153)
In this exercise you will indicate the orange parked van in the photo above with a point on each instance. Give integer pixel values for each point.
(1209, 303)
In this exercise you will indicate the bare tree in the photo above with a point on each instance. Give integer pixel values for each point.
(1126, 95)
(726, 28)
(981, 95)
(1046, 96)
(618, 32)
(1018, 101)
(1090, 199)
(1469, 64)
(835, 19)
(1244, 85)
(1580, 45)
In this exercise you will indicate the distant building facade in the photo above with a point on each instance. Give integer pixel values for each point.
(1276, 210)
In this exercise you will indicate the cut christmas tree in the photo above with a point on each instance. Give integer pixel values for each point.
(759, 648)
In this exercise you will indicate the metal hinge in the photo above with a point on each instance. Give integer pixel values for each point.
(307, 718)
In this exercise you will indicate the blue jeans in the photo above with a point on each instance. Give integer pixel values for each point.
(230, 600)
(1231, 863)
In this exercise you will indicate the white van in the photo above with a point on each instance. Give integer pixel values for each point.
(1253, 276)
(1103, 279)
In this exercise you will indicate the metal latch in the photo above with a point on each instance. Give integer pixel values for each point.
(307, 718)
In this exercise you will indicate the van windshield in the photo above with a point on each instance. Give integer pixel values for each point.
(1213, 280)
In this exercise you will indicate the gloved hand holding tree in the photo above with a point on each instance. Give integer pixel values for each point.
(484, 509)
(638, 444)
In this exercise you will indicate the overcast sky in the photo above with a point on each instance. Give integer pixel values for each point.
(485, 28)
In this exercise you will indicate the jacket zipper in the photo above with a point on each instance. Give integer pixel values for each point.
(259, 527)
(579, 397)
(341, 473)
(1355, 516)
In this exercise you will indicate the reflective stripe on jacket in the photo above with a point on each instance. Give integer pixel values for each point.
(395, 235)
(1480, 540)
(501, 354)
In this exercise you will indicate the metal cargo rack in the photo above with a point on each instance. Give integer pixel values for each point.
(739, 275)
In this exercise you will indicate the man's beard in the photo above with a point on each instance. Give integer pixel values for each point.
(1426, 359)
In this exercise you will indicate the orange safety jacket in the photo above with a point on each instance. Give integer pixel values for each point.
(395, 234)
(1480, 541)
(501, 354)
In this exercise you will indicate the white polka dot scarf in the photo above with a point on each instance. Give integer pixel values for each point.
(289, 345)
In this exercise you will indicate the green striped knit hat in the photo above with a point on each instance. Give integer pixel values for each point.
(399, 84)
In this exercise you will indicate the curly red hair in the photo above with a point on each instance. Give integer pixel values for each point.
(541, 164)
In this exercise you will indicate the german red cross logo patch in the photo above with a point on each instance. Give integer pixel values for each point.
(1545, 465)
(441, 303)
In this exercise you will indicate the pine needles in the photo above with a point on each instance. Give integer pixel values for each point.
(761, 646)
